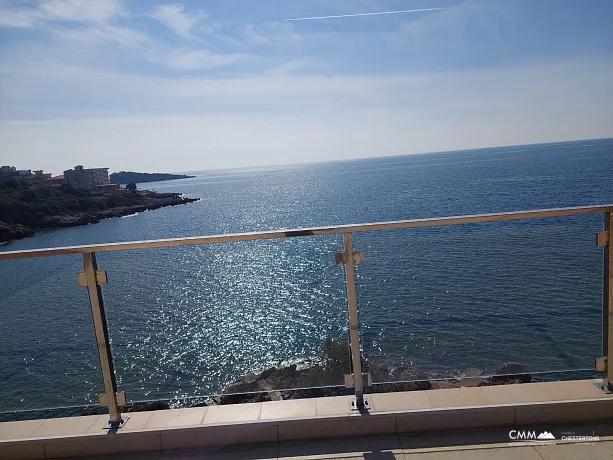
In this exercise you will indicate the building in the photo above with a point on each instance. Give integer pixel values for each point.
(8, 170)
(80, 178)
(41, 176)
(27, 176)
(31, 178)
(34, 178)
(53, 181)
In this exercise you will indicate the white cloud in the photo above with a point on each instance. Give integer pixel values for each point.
(100, 27)
(104, 34)
(193, 59)
(98, 11)
(273, 119)
(271, 33)
(175, 18)
(292, 66)
(92, 11)
(18, 18)
(65, 94)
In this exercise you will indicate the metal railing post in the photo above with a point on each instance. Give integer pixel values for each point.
(607, 302)
(93, 279)
(359, 403)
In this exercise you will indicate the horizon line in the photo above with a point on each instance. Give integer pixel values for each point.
(304, 163)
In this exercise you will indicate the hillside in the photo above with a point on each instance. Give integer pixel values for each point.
(23, 210)
(125, 177)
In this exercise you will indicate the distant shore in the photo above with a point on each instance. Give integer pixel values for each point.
(125, 177)
(24, 211)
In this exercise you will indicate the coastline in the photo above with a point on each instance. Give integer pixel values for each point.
(10, 231)
(125, 177)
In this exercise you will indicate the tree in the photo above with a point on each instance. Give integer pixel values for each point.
(131, 187)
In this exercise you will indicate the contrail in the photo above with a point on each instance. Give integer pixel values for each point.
(364, 14)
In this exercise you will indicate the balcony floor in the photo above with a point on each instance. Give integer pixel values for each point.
(484, 444)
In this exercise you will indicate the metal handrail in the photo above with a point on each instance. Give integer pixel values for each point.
(330, 230)
(93, 278)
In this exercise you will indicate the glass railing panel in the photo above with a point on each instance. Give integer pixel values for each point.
(189, 323)
(48, 353)
(469, 300)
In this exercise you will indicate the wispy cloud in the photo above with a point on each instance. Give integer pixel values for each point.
(19, 18)
(186, 58)
(376, 13)
(136, 80)
(98, 11)
(107, 28)
(176, 18)
(125, 37)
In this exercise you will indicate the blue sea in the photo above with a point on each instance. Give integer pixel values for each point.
(189, 321)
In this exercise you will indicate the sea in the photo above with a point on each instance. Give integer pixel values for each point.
(187, 322)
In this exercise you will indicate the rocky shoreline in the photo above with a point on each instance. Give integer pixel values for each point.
(150, 201)
(269, 385)
(325, 378)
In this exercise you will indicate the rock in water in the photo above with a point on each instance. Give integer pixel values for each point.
(472, 378)
(147, 406)
(511, 373)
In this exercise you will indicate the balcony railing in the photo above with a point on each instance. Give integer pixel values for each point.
(93, 278)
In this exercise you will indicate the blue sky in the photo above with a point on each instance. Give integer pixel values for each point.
(165, 86)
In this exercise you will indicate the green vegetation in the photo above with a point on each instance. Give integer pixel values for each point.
(24, 209)
(22, 205)
(125, 177)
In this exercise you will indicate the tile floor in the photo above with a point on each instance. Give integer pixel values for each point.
(487, 444)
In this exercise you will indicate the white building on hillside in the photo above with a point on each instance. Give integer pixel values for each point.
(86, 179)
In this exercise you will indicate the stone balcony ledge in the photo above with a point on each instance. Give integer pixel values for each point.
(391, 413)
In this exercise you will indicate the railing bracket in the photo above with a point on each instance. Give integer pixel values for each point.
(603, 238)
(121, 399)
(101, 278)
(602, 388)
(358, 257)
(366, 380)
(354, 404)
(110, 425)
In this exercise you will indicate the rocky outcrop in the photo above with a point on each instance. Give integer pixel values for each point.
(146, 406)
(125, 177)
(472, 378)
(275, 384)
(133, 407)
(317, 380)
(93, 217)
(9, 231)
(148, 201)
(326, 378)
(510, 373)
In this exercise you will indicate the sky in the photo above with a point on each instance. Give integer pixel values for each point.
(159, 86)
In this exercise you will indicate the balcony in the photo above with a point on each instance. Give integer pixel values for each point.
(365, 409)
